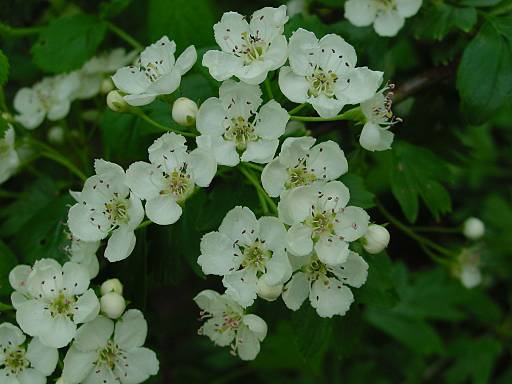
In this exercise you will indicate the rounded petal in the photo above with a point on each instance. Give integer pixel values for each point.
(360, 13)
(256, 325)
(130, 80)
(78, 365)
(331, 250)
(297, 205)
(277, 53)
(139, 365)
(202, 166)
(228, 31)
(335, 196)
(218, 256)
(41, 357)
(186, 60)
(88, 307)
(75, 278)
(224, 151)
(353, 271)
(140, 179)
(31, 376)
(254, 73)
(260, 151)
(302, 44)
(375, 138)
(352, 223)
(299, 239)
(131, 331)
(241, 286)
(388, 23)
(326, 107)
(327, 160)
(278, 269)
(94, 335)
(210, 117)
(296, 291)
(329, 297)
(248, 345)
(221, 65)
(10, 335)
(294, 87)
(81, 225)
(336, 54)
(163, 210)
(33, 318)
(210, 301)
(271, 120)
(59, 333)
(272, 233)
(240, 224)
(408, 8)
(363, 83)
(274, 177)
(120, 244)
(18, 277)
(140, 99)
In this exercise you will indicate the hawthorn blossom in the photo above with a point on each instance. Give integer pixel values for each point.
(387, 16)
(227, 324)
(473, 228)
(51, 98)
(96, 70)
(84, 253)
(106, 353)
(325, 285)
(9, 159)
(249, 50)
(155, 73)
(244, 250)
(323, 73)
(170, 177)
(301, 162)
(24, 365)
(106, 207)
(375, 135)
(233, 128)
(58, 299)
(321, 220)
(467, 268)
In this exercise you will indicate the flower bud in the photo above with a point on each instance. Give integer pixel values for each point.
(106, 86)
(473, 228)
(56, 135)
(112, 305)
(184, 111)
(268, 292)
(116, 102)
(375, 239)
(7, 117)
(112, 285)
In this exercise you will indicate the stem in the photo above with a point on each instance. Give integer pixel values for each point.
(437, 229)
(348, 115)
(501, 10)
(149, 120)
(125, 36)
(257, 167)
(15, 31)
(268, 88)
(8, 195)
(144, 224)
(298, 108)
(249, 175)
(409, 232)
(6, 307)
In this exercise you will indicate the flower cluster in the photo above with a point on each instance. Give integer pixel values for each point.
(9, 159)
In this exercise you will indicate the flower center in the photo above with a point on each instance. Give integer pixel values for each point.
(15, 361)
(62, 305)
(109, 355)
(322, 223)
(384, 5)
(180, 185)
(321, 82)
(241, 132)
(253, 48)
(256, 255)
(315, 269)
(299, 176)
(117, 210)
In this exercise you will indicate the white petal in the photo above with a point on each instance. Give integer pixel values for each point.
(130, 80)
(32, 317)
(166, 84)
(141, 179)
(274, 177)
(210, 117)
(470, 276)
(271, 120)
(228, 31)
(140, 99)
(78, 365)
(131, 330)
(163, 210)
(277, 53)
(248, 345)
(278, 269)
(335, 54)
(81, 226)
(18, 277)
(210, 301)
(218, 256)
(166, 145)
(301, 44)
(10, 335)
(120, 244)
(408, 8)
(329, 297)
(360, 13)
(186, 60)
(272, 233)
(353, 223)
(294, 87)
(354, 271)
(241, 286)
(331, 250)
(335, 195)
(94, 335)
(140, 363)
(326, 107)
(388, 23)
(239, 99)
(31, 376)
(202, 166)
(240, 224)
(254, 73)
(299, 239)
(256, 325)
(363, 85)
(268, 22)
(327, 160)
(60, 332)
(296, 205)
(221, 65)
(296, 291)
(88, 307)
(260, 151)
(42, 358)
(59, 110)
(375, 138)
(224, 151)
(75, 278)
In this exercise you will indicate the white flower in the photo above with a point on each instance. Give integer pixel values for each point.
(9, 159)
(231, 125)
(112, 304)
(59, 299)
(248, 50)
(467, 268)
(106, 206)
(387, 16)
(184, 111)
(93, 72)
(268, 292)
(84, 253)
(227, 324)
(116, 102)
(245, 250)
(323, 73)
(320, 220)
(376, 239)
(24, 365)
(303, 163)
(170, 177)
(111, 285)
(473, 228)
(375, 135)
(326, 286)
(156, 72)
(51, 97)
(56, 135)
(18, 280)
(104, 353)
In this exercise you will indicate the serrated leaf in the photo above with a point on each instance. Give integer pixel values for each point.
(66, 43)
(4, 68)
(442, 18)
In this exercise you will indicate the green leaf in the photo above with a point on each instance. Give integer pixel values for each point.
(4, 68)
(112, 8)
(7, 262)
(416, 171)
(378, 291)
(443, 18)
(479, 3)
(66, 43)
(184, 21)
(359, 194)
(484, 79)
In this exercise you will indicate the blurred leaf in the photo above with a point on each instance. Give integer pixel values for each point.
(417, 172)
(310, 22)
(184, 21)
(4, 68)
(443, 18)
(359, 194)
(7, 262)
(484, 79)
(479, 3)
(66, 43)
(378, 291)
(112, 8)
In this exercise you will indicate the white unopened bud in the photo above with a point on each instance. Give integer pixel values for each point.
(184, 111)
(116, 102)
(112, 305)
(56, 135)
(106, 86)
(112, 285)
(375, 239)
(473, 228)
(268, 292)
